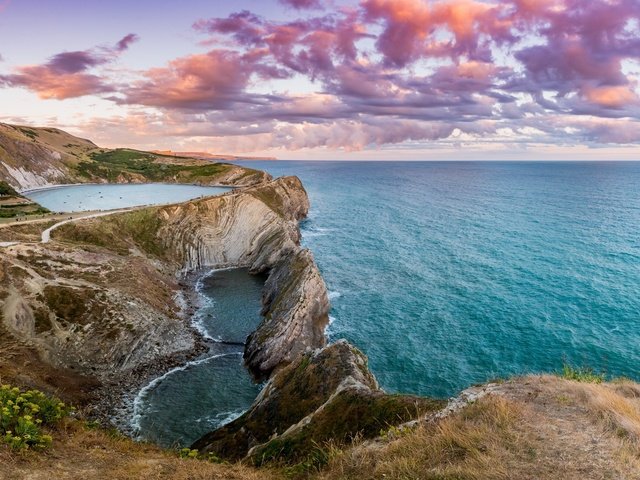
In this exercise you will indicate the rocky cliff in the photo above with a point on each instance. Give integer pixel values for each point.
(324, 395)
(33, 157)
(103, 298)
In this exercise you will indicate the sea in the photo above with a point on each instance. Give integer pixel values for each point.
(449, 274)
(445, 274)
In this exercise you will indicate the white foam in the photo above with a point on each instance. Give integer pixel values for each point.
(138, 401)
(328, 331)
(333, 295)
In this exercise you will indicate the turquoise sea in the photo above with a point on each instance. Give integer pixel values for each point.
(444, 274)
(448, 274)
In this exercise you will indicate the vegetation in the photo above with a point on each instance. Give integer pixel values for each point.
(25, 414)
(131, 164)
(73, 305)
(6, 189)
(582, 374)
(12, 204)
(29, 132)
(119, 233)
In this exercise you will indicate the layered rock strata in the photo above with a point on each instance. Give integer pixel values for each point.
(102, 298)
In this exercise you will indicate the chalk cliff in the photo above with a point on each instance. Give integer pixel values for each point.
(103, 297)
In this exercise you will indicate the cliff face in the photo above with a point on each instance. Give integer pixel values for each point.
(295, 311)
(111, 307)
(33, 157)
(255, 228)
(101, 298)
(94, 312)
(326, 394)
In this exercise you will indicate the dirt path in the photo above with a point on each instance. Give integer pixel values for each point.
(46, 235)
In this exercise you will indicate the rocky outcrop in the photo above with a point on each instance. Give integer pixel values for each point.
(325, 394)
(109, 307)
(96, 313)
(296, 313)
(253, 228)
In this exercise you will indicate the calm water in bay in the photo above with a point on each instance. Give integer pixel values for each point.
(449, 274)
(82, 198)
(181, 406)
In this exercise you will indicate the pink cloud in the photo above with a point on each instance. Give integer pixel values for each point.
(206, 81)
(48, 83)
(64, 75)
(383, 71)
(302, 4)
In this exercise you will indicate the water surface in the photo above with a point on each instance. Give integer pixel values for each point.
(451, 273)
(181, 406)
(82, 198)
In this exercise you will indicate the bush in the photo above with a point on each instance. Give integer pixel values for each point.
(23, 414)
(582, 374)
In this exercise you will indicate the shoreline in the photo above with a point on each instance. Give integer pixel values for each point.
(124, 411)
(115, 406)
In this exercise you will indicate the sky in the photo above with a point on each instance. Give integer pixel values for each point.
(331, 79)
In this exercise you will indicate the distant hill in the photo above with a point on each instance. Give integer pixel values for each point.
(33, 157)
(209, 156)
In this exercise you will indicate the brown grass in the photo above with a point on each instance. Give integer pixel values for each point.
(475, 444)
(536, 428)
(617, 405)
(82, 453)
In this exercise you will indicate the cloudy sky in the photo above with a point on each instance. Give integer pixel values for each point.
(325, 79)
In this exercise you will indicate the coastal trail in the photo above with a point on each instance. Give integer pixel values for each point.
(46, 234)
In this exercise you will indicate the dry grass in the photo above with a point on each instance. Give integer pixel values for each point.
(82, 453)
(477, 443)
(535, 428)
(540, 428)
(617, 405)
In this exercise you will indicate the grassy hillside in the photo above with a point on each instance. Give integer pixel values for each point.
(12, 204)
(538, 427)
(31, 157)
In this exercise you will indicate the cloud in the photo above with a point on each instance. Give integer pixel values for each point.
(384, 71)
(126, 42)
(49, 83)
(302, 4)
(208, 81)
(65, 74)
(393, 66)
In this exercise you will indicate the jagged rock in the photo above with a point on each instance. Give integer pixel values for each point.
(296, 313)
(325, 394)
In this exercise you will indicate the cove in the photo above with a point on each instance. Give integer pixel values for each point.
(83, 198)
(179, 407)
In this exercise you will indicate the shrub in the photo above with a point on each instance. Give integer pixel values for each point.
(23, 414)
(582, 374)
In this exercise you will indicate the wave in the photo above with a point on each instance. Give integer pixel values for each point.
(138, 401)
(334, 294)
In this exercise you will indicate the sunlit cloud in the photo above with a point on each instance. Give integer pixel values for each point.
(410, 73)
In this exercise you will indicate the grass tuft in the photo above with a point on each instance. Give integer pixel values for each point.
(582, 374)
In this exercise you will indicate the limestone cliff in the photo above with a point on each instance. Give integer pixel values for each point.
(101, 297)
(295, 311)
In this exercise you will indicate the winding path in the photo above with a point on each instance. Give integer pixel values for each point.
(46, 234)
